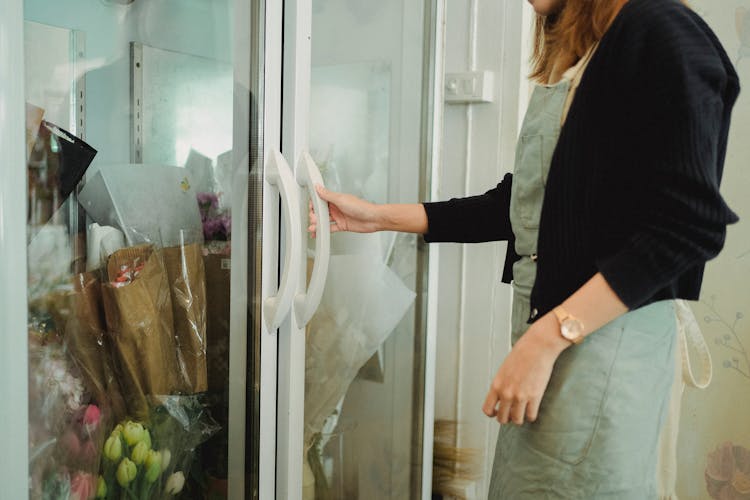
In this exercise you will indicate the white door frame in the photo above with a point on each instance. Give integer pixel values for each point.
(297, 56)
(14, 431)
(294, 142)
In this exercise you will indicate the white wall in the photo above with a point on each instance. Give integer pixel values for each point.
(478, 149)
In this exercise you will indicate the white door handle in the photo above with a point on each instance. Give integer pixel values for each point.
(306, 303)
(279, 174)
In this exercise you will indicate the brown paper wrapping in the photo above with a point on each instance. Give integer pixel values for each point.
(34, 117)
(187, 280)
(218, 272)
(140, 324)
(89, 346)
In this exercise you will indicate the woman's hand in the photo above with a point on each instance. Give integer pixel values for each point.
(348, 213)
(518, 387)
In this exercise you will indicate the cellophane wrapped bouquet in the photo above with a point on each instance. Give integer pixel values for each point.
(151, 460)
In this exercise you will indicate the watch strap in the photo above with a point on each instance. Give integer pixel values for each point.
(562, 316)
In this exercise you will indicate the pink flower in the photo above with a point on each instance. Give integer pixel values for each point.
(83, 486)
(91, 418)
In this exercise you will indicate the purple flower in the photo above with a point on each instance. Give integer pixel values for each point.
(208, 200)
(216, 225)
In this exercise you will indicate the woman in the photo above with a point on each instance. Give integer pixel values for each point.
(611, 213)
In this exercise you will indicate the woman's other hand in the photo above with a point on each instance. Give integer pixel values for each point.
(347, 212)
(518, 386)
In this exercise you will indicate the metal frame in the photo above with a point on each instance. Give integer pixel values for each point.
(76, 214)
(136, 102)
(253, 351)
(14, 467)
(428, 263)
(297, 55)
(271, 61)
(78, 97)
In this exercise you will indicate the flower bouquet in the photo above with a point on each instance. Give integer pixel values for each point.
(64, 429)
(144, 461)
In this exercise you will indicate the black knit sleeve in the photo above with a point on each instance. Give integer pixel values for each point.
(682, 92)
(474, 219)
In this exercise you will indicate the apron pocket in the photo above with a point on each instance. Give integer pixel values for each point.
(572, 405)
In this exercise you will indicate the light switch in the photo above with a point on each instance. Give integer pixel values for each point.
(469, 87)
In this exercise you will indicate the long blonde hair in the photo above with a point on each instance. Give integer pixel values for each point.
(565, 36)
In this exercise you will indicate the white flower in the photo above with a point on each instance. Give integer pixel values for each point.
(175, 482)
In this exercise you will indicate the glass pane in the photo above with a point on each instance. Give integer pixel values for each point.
(130, 108)
(364, 373)
(714, 439)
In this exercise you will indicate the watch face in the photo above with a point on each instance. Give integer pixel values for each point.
(571, 329)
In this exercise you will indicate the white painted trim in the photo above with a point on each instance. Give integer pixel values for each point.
(269, 430)
(297, 62)
(14, 430)
(433, 268)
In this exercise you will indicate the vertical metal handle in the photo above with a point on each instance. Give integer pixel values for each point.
(306, 303)
(279, 174)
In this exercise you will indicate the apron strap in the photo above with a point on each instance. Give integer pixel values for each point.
(690, 335)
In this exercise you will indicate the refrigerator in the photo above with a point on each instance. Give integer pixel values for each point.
(169, 327)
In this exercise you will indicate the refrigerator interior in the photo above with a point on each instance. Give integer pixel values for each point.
(129, 275)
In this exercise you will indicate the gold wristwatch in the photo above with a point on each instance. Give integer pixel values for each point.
(571, 327)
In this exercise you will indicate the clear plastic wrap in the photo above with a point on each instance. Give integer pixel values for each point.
(355, 317)
(88, 345)
(140, 325)
(65, 428)
(187, 278)
(151, 458)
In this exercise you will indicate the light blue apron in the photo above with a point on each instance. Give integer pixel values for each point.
(598, 427)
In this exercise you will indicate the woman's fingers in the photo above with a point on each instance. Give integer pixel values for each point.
(532, 409)
(326, 194)
(518, 412)
(503, 411)
(490, 404)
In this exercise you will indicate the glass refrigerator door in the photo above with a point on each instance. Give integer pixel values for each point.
(144, 231)
(354, 411)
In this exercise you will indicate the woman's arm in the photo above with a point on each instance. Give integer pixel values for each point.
(349, 213)
(472, 219)
(518, 387)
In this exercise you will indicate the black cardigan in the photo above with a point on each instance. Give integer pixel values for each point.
(633, 188)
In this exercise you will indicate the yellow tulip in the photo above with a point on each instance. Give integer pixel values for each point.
(147, 438)
(126, 472)
(113, 448)
(138, 454)
(133, 433)
(153, 465)
(101, 488)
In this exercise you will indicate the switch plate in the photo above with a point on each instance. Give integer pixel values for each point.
(469, 87)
